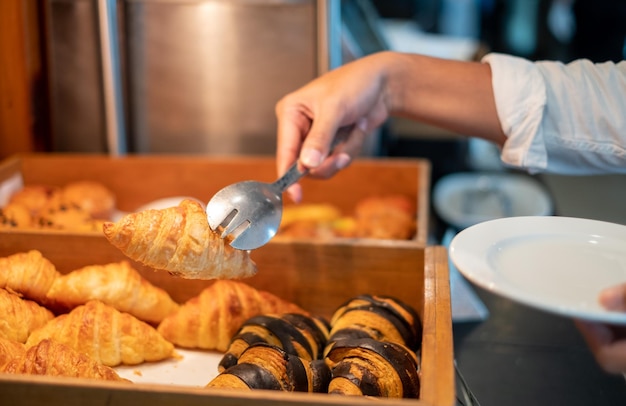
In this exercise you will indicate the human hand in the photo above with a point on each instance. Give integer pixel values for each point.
(607, 342)
(309, 118)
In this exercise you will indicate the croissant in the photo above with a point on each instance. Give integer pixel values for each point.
(297, 334)
(180, 241)
(56, 359)
(365, 366)
(385, 217)
(9, 350)
(19, 317)
(382, 318)
(28, 273)
(106, 335)
(210, 320)
(116, 284)
(265, 366)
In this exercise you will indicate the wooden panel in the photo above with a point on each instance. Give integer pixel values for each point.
(19, 66)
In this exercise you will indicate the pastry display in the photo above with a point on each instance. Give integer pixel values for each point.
(56, 359)
(379, 217)
(92, 197)
(117, 284)
(67, 216)
(210, 320)
(364, 366)
(378, 317)
(385, 217)
(106, 335)
(77, 206)
(180, 241)
(265, 366)
(297, 334)
(28, 273)
(19, 317)
(34, 197)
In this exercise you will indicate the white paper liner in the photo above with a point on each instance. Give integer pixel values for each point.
(192, 368)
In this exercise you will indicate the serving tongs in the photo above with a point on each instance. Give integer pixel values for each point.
(249, 212)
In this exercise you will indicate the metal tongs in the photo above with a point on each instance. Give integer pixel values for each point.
(249, 212)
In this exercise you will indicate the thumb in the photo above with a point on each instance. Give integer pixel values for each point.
(316, 146)
(614, 298)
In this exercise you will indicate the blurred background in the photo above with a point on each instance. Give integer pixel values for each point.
(180, 76)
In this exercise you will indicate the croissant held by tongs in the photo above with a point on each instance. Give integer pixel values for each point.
(180, 241)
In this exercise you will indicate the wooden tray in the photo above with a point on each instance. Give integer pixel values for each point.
(316, 279)
(137, 180)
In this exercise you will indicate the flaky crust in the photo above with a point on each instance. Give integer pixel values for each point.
(117, 284)
(210, 320)
(180, 241)
(56, 359)
(28, 273)
(106, 335)
(19, 317)
(9, 350)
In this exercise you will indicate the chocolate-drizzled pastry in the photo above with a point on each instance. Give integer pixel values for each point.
(296, 334)
(382, 318)
(364, 366)
(266, 366)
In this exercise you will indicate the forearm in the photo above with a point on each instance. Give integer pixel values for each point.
(450, 94)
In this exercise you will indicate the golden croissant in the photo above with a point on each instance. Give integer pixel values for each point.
(28, 273)
(106, 335)
(18, 317)
(56, 359)
(9, 350)
(210, 320)
(180, 241)
(116, 284)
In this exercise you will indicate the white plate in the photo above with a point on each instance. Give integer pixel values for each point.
(557, 264)
(468, 198)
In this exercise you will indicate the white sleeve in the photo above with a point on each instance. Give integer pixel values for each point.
(561, 118)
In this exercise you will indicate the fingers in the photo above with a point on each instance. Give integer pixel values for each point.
(343, 154)
(608, 348)
(295, 192)
(614, 298)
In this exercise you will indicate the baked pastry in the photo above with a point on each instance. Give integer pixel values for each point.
(34, 197)
(56, 359)
(106, 335)
(10, 349)
(29, 274)
(385, 217)
(265, 366)
(180, 241)
(15, 215)
(364, 366)
(210, 320)
(92, 197)
(117, 284)
(382, 318)
(297, 334)
(19, 317)
(67, 216)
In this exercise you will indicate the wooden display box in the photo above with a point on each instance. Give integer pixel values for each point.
(137, 180)
(317, 276)
(316, 279)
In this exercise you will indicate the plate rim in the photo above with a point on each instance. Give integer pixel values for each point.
(447, 182)
(456, 256)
